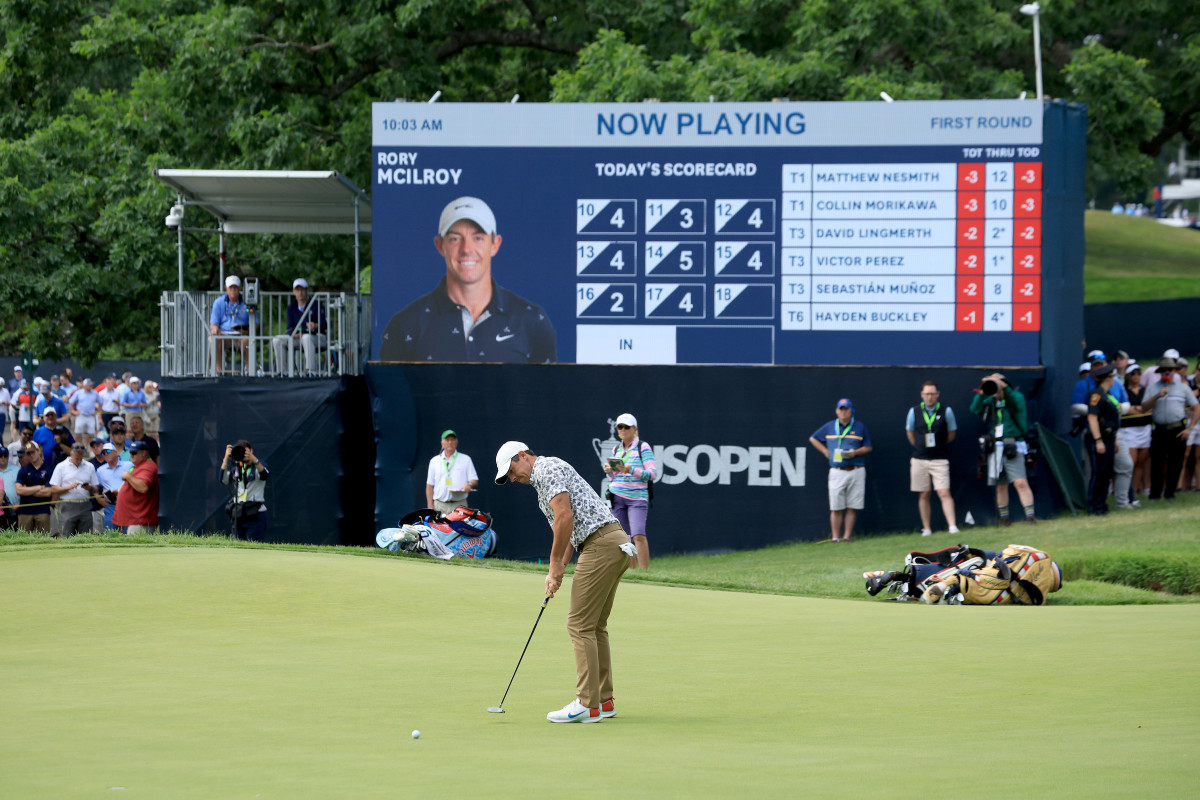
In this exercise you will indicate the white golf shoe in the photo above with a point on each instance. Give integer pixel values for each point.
(575, 712)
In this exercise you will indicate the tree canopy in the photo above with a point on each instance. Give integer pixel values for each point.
(95, 96)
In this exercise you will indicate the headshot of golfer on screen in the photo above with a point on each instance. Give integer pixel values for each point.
(467, 317)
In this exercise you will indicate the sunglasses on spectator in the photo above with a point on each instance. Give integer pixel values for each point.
(117, 430)
(623, 427)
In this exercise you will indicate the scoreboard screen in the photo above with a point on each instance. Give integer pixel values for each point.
(745, 233)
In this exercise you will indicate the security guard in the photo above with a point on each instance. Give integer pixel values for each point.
(1104, 418)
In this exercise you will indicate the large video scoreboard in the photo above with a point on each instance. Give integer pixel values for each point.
(758, 233)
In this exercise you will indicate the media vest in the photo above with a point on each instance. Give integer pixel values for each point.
(941, 433)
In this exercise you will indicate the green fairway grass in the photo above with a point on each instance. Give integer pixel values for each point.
(1136, 258)
(226, 672)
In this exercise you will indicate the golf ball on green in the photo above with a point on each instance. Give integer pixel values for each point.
(416, 734)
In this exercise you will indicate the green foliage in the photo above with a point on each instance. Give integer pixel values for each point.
(95, 96)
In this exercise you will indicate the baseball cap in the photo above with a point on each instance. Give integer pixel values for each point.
(1097, 355)
(1172, 353)
(117, 418)
(108, 448)
(1103, 372)
(300, 282)
(1121, 354)
(87, 381)
(18, 368)
(19, 452)
(449, 432)
(49, 410)
(845, 403)
(471, 208)
(504, 457)
(233, 280)
(1133, 366)
(627, 419)
(134, 379)
(1085, 366)
(94, 442)
(4, 452)
(137, 447)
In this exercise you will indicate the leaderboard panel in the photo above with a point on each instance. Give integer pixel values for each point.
(747, 233)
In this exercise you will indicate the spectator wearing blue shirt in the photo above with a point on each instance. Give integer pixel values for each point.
(306, 326)
(47, 400)
(84, 405)
(1084, 388)
(844, 442)
(109, 475)
(133, 402)
(229, 316)
(44, 435)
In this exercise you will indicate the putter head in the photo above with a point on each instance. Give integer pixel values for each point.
(495, 710)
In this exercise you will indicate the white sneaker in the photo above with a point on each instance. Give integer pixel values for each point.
(575, 712)
(927, 532)
(954, 529)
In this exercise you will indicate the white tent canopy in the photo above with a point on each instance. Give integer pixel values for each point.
(269, 201)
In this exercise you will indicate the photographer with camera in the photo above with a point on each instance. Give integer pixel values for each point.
(247, 476)
(1003, 410)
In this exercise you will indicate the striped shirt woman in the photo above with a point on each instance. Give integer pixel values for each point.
(631, 469)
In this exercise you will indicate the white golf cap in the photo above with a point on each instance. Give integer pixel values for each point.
(1085, 366)
(471, 208)
(233, 280)
(627, 419)
(504, 457)
(1172, 353)
(134, 379)
(300, 283)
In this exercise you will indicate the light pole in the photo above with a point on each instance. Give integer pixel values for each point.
(1035, 11)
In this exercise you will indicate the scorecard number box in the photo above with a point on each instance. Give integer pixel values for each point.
(674, 259)
(743, 301)
(606, 300)
(744, 216)
(606, 216)
(675, 301)
(606, 258)
(676, 217)
(744, 259)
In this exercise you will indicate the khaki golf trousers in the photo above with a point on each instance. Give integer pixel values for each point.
(593, 589)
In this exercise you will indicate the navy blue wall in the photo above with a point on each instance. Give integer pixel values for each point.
(565, 410)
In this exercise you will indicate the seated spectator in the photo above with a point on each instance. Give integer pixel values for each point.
(137, 501)
(306, 327)
(137, 433)
(33, 487)
(229, 317)
(109, 475)
(72, 484)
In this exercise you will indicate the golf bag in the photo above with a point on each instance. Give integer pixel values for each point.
(962, 575)
(464, 532)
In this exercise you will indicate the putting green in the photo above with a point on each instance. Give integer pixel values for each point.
(189, 672)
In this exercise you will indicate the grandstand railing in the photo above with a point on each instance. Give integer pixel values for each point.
(189, 350)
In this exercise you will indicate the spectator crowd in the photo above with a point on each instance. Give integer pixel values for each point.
(78, 457)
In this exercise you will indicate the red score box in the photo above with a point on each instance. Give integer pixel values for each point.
(970, 204)
(1027, 317)
(968, 289)
(969, 261)
(1027, 289)
(970, 233)
(1028, 233)
(1026, 204)
(968, 317)
(1027, 260)
(1029, 174)
(970, 177)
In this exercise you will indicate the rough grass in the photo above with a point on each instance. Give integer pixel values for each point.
(1149, 556)
(1136, 258)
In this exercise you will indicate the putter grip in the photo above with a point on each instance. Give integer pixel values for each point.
(547, 600)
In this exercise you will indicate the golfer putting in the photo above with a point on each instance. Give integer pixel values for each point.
(581, 522)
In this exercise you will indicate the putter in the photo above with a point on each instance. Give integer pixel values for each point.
(500, 708)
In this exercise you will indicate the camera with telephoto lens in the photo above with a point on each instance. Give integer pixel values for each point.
(238, 454)
(990, 387)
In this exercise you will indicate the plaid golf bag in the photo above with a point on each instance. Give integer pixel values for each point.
(962, 575)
